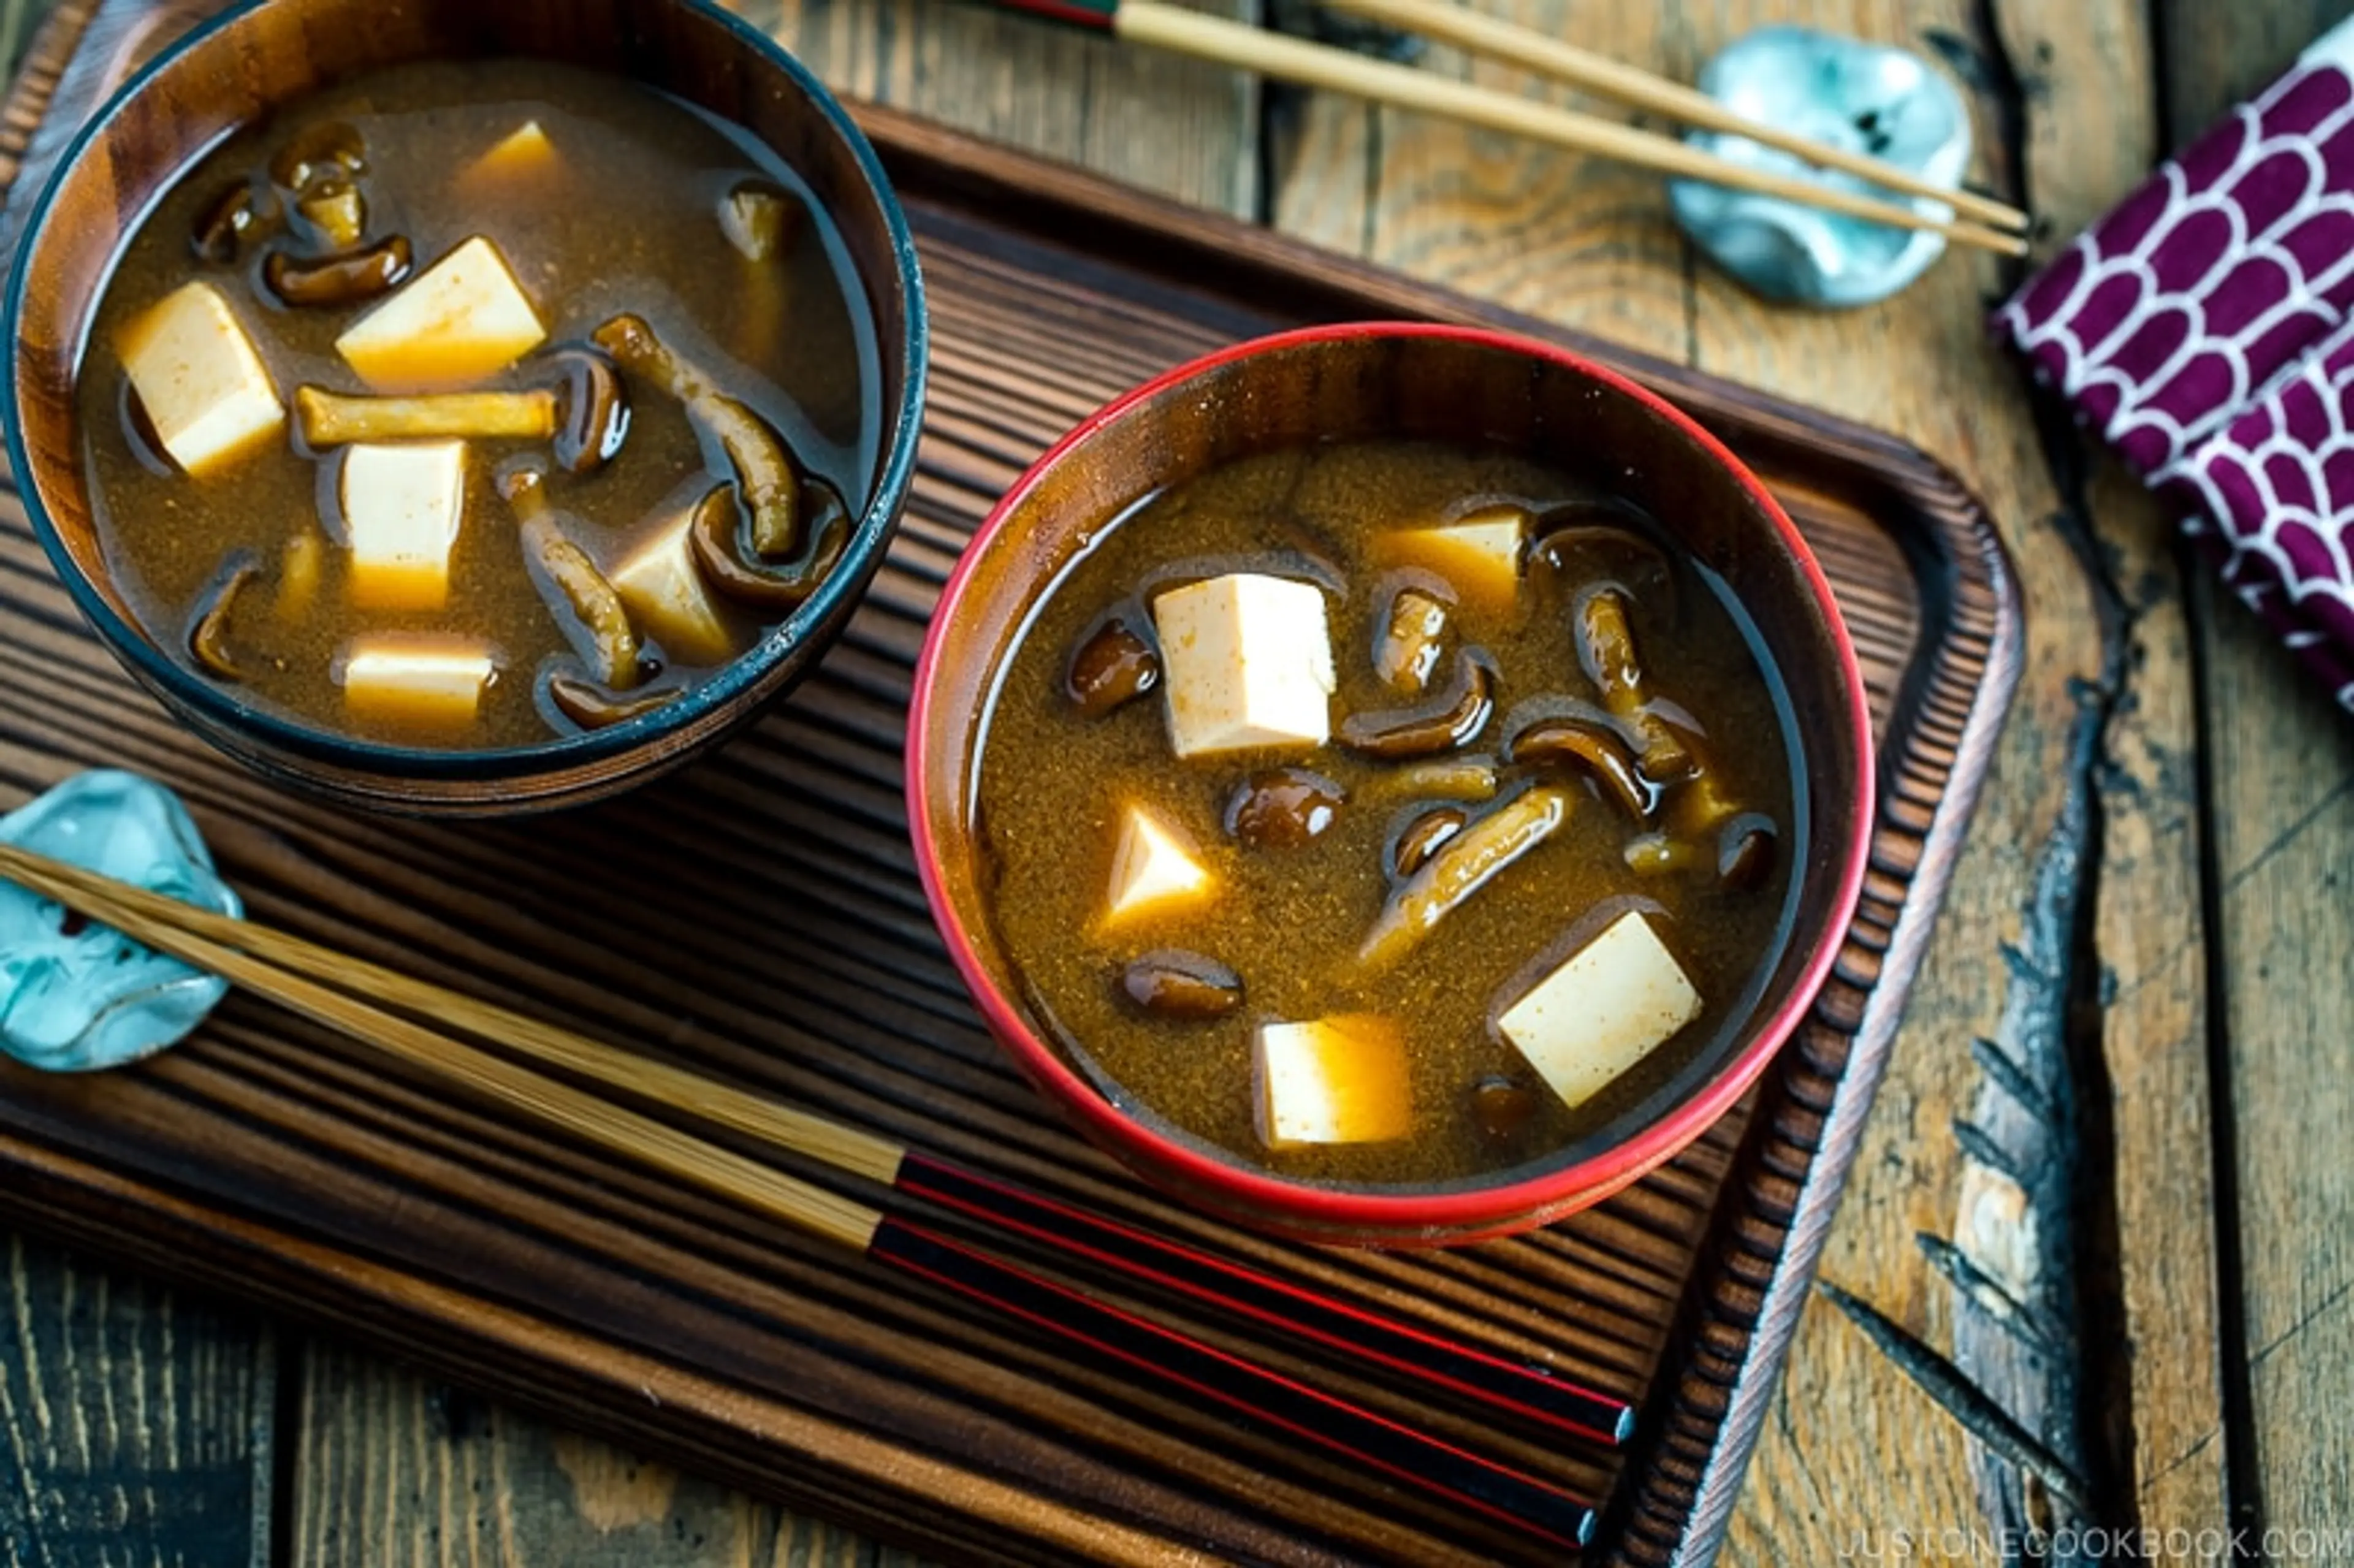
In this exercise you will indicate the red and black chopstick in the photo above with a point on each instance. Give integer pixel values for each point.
(1363, 1437)
(1518, 1389)
(344, 992)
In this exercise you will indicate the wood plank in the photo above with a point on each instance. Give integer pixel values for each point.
(1572, 238)
(1588, 243)
(136, 1424)
(2146, 924)
(395, 1470)
(2282, 808)
(2150, 931)
(1176, 126)
(384, 1474)
(2281, 802)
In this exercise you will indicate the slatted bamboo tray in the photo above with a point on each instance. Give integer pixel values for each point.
(758, 918)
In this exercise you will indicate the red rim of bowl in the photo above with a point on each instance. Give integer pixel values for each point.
(1537, 1195)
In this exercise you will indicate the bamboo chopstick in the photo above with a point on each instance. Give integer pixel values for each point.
(168, 930)
(1158, 25)
(804, 1132)
(275, 964)
(1525, 47)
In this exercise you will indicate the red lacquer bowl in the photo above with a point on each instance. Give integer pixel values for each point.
(1417, 382)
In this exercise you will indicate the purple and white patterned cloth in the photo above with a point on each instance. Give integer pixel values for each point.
(2205, 328)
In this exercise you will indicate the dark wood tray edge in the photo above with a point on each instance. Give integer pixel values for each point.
(1716, 1381)
(1810, 1116)
(1215, 244)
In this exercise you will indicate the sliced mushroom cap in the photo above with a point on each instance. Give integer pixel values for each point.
(1283, 808)
(1606, 647)
(1601, 539)
(596, 409)
(1745, 851)
(1503, 1106)
(1455, 718)
(1413, 640)
(344, 279)
(238, 218)
(717, 536)
(592, 706)
(208, 628)
(1111, 664)
(1420, 838)
(1175, 983)
(1594, 749)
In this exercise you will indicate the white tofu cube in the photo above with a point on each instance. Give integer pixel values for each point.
(1155, 870)
(1606, 1008)
(1478, 554)
(1247, 662)
(454, 324)
(662, 589)
(402, 504)
(198, 378)
(1335, 1080)
(416, 680)
(524, 154)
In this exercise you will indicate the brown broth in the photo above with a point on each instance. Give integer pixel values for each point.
(1051, 784)
(629, 224)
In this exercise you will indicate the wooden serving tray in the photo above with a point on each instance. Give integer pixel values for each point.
(759, 919)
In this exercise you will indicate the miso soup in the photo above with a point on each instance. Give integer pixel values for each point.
(1389, 813)
(475, 404)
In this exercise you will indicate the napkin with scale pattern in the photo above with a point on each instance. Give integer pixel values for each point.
(2205, 329)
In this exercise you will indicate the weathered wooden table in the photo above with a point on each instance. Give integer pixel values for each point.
(2147, 914)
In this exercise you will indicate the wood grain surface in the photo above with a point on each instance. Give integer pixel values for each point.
(2279, 780)
(2167, 784)
(2136, 1021)
(466, 1242)
(397, 1470)
(138, 1424)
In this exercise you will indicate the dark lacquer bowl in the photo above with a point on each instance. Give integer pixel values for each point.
(1409, 381)
(270, 53)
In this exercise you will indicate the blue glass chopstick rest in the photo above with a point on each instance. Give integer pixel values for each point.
(75, 997)
(1865, 97)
